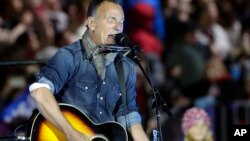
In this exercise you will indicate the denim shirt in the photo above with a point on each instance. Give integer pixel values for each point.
(72, 74)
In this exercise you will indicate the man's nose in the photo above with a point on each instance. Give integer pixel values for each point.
(119, 26)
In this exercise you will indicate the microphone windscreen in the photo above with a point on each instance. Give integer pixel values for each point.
(121, 39)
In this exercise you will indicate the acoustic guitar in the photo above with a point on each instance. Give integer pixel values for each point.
(42, 130)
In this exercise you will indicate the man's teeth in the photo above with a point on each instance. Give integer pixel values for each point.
(112, 36)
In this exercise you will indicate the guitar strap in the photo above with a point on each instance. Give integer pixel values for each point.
(121, 78)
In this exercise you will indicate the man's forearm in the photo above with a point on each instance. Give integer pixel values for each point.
(48, 107)
(138, 133)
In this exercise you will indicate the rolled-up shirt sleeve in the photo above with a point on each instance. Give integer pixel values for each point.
(44, 80)
(130, 119)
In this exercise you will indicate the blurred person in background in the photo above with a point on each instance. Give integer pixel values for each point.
(76, 10)
(196, 125)
(16, 17)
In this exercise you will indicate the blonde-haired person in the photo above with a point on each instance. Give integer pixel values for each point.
(196, 125)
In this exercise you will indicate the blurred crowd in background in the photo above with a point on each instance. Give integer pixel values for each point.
(197, 53)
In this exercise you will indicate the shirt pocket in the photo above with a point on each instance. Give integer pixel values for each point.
(114, 96)
(116, 90)
(86, 93)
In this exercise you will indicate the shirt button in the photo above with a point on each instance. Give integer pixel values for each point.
(86, 88)
(100, 113)
(101, 98)
(103, 83)
(120, 94)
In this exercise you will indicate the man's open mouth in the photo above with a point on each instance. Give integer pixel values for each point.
(111, 38)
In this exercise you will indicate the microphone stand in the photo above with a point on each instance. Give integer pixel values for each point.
(158, 100)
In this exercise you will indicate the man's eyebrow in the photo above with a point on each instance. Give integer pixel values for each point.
(114, 18)
(122, 19)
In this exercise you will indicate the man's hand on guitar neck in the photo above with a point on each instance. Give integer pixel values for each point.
(75, 135)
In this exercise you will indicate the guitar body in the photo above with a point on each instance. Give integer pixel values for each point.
(42, 130)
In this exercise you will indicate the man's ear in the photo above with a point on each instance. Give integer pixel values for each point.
(91, 23)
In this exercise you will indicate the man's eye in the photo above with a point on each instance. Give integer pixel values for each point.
(112, 20)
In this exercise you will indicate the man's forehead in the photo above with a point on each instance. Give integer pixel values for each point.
(110, 7)
(108, 3)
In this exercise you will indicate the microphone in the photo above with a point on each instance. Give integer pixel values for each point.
(123, 40)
